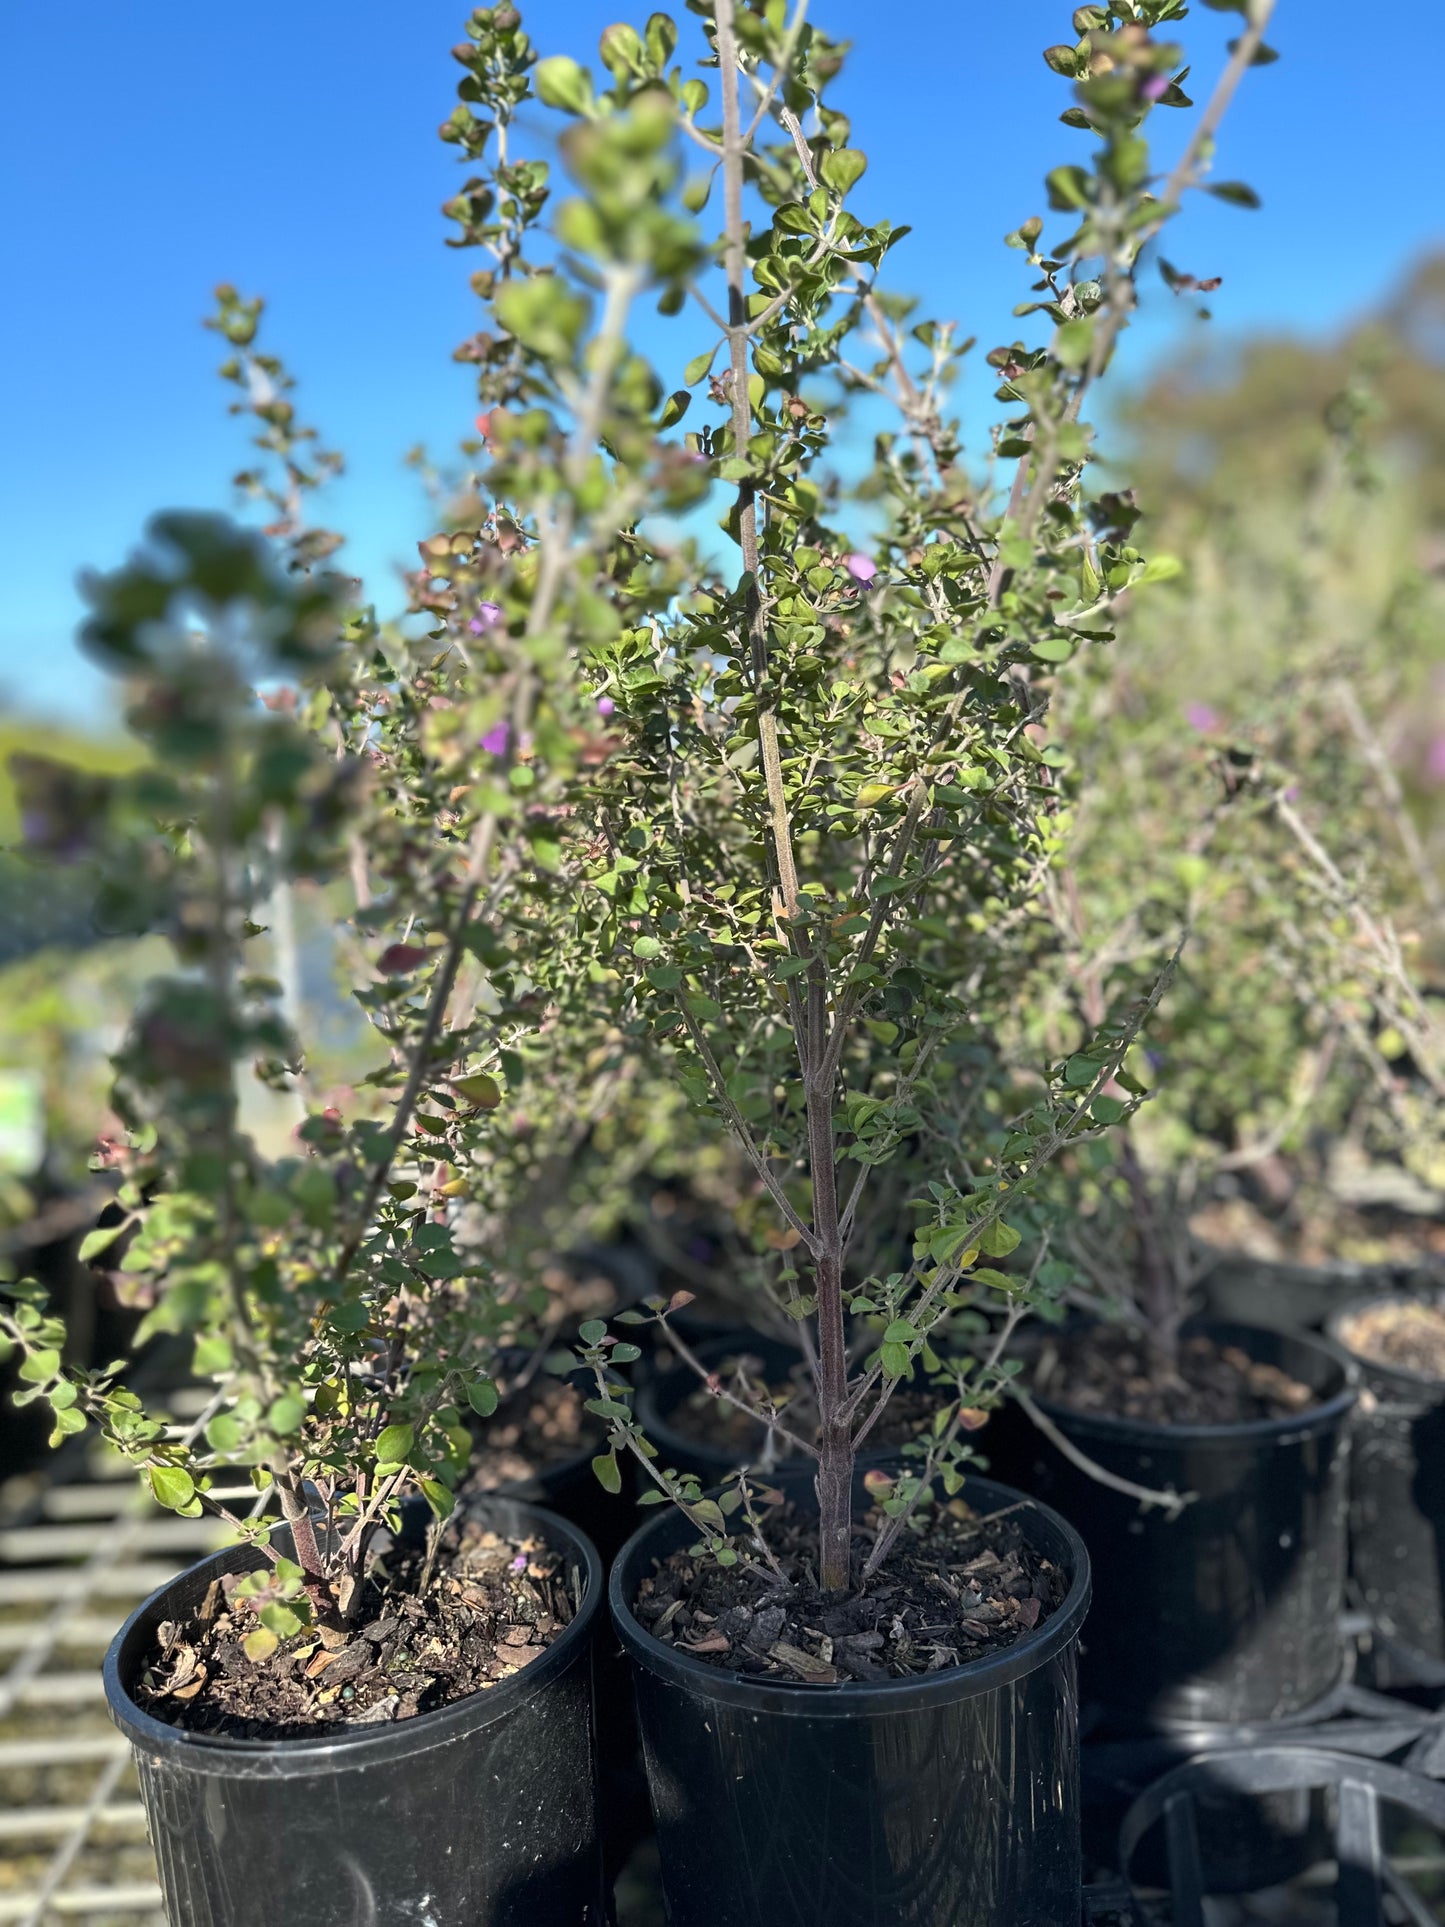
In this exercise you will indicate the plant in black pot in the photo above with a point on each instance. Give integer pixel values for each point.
(379, 1706)
(1247, 757)
(310, 1705)
(796, 883)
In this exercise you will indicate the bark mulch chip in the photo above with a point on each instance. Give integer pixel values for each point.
(491, 1606)
(1108, 1371)
(959, 1589)
(1411, 1337)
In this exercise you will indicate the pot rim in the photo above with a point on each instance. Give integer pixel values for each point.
(1323, 1417)
(1338, 1271)
(1367, 1301)
(854, 1699)
(228, 1758)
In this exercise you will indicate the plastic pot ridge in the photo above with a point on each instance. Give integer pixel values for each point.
(481, 1814)
(950, 1800)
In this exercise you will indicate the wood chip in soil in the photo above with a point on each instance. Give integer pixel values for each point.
(493, 1606)
(958, 1589)
(1408, 1336)
(1108, 1370)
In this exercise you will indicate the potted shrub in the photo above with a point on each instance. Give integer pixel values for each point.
(1295, 1031)
(1272, 689)
(796, 881)
(382, 1704)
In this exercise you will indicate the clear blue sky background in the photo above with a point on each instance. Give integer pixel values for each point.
(150, 152)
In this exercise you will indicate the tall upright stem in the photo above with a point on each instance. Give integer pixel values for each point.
(835, 1449)
(835, 1436)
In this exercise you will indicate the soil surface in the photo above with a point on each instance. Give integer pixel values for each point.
(1411, 1337)
(531, 1431)
(703, 1416)
(492, 1606)
(962, 1588)
(1107, 1370)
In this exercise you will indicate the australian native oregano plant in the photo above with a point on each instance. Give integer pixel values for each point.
(411, 781)
(833, 796)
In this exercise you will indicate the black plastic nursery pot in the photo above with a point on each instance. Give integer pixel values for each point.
(1397, 1497)
(481, 1814)
(945, 1801)
(1283, 1296)
(1227, 1612)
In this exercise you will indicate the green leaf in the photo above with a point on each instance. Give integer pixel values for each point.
(286, 1415)
(1054, 648)
(699, 366)
(624, 1354)
(1074, 343)
(172, 1485)
(439, 1497)
(1080, 1072)
(609, 1473)
(900, 1332)
(482, 1397)
(1237, 193)
(393, 1444)
(674, 408)
(560, 82)
(895, 1361)
(225, 1433)
(280, 1620)
(647, 947)
(999, 1240)
(97, 1241)
(707, 1512)
(841, 168)
(593, 1331)
(259, 1646)
(1108, 1110)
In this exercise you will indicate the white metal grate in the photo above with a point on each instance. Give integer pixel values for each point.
(80, 1547)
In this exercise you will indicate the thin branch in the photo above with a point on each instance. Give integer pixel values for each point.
(1172, 1502)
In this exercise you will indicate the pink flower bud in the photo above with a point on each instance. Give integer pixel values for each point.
(605, 705)
(496, 739)
(1201, 716)
(862, 568)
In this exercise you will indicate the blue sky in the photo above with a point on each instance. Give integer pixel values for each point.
(291, 149)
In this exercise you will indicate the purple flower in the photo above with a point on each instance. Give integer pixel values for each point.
(1156, 87)
(1435, 760)
(497, 738)
(1291, 795)
(605, 705)
(862, 568)
(519, 1564)
(1201, 716)
(487, 617)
